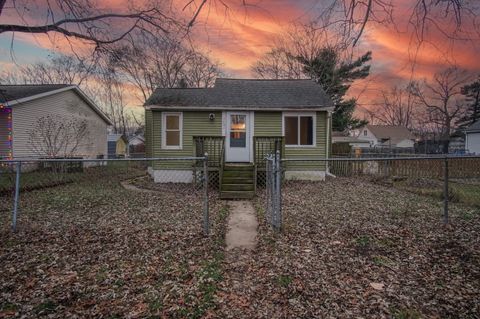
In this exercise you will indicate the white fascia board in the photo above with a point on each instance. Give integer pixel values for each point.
(244, 108)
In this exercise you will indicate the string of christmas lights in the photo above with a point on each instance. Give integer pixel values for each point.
(6, 110)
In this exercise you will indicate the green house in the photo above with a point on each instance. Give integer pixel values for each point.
(238, 123)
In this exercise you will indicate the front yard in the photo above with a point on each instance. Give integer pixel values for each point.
(93, 249)
(348, 249)
(356, 249)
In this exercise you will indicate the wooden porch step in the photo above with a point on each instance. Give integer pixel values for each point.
(238, 167)
(238, 174)
(237, 187)
(237, 195)
(238, 181)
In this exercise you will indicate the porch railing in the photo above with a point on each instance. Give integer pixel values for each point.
(213, 145)
(264, 146)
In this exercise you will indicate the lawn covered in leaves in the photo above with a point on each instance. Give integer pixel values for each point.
(353, 249)
(94, 249)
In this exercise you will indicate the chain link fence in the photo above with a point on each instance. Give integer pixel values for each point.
(450, 179)
(58, 184)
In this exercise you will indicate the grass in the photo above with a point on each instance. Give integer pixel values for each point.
(464, 193)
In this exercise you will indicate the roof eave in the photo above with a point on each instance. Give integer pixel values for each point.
(67, 88)
(249, 108)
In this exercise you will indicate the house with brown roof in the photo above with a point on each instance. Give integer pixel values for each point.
(393, 136)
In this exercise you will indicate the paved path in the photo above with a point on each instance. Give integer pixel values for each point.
(242, 226)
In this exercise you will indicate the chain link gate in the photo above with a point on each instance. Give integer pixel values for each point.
(273, 209)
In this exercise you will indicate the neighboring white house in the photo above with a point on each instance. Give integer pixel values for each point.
(338, 137)
(387, 136)
(21, 106)
(472, 138)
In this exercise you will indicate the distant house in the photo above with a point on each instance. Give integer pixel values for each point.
(136, 145)
(21, 107)
(393, 136)
(457, 142)
(353, 141)
(117, 145)
(472, 138)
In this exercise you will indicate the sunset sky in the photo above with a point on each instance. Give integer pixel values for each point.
(239, 36)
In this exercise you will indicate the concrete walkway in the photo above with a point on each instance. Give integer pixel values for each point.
(242, 226)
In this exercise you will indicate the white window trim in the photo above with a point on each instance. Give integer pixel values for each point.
(164, 130)
(314, 131)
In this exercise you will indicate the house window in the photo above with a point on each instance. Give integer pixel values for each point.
(364, 132)
(238, 130)
(172, 130)
(299, 129)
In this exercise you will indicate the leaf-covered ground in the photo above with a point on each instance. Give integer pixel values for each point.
(94, 249)
(348, 249)
(351, 249)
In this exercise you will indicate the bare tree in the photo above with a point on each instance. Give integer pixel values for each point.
(152, 62)
(398, 106)
(201, 71)
(60, 69)
(443, 100)
(86, 20)
(305, 41)
(58, 136)
(278, 64)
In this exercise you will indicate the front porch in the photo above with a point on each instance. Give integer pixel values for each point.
(236, 178)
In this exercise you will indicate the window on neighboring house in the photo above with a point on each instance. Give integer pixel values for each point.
(299, 130)
(365, 133)
(172, 130)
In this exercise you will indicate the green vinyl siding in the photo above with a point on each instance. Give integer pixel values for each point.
(194, 124)
(265, 124)
(270, 124)
(148, 133)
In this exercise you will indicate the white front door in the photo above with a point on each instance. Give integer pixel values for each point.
(238, 137)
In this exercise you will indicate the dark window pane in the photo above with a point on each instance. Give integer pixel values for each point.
(238, 139)
(173, 122)
(291, 130)
(172, 138)
(306, 130)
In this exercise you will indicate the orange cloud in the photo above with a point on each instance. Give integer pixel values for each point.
(237, 36)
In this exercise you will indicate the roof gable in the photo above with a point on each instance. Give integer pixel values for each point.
(16, 94)
(10, 93)
(392, 133)
(246, 93)
(474, 127)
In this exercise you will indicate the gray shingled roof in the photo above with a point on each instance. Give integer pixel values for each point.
(474, 127)
(16, 92)
(246, 93)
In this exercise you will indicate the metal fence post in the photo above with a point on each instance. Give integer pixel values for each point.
(206, 218)
(17, 194)
(268, 187)
(445, 191)
(278, 177)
